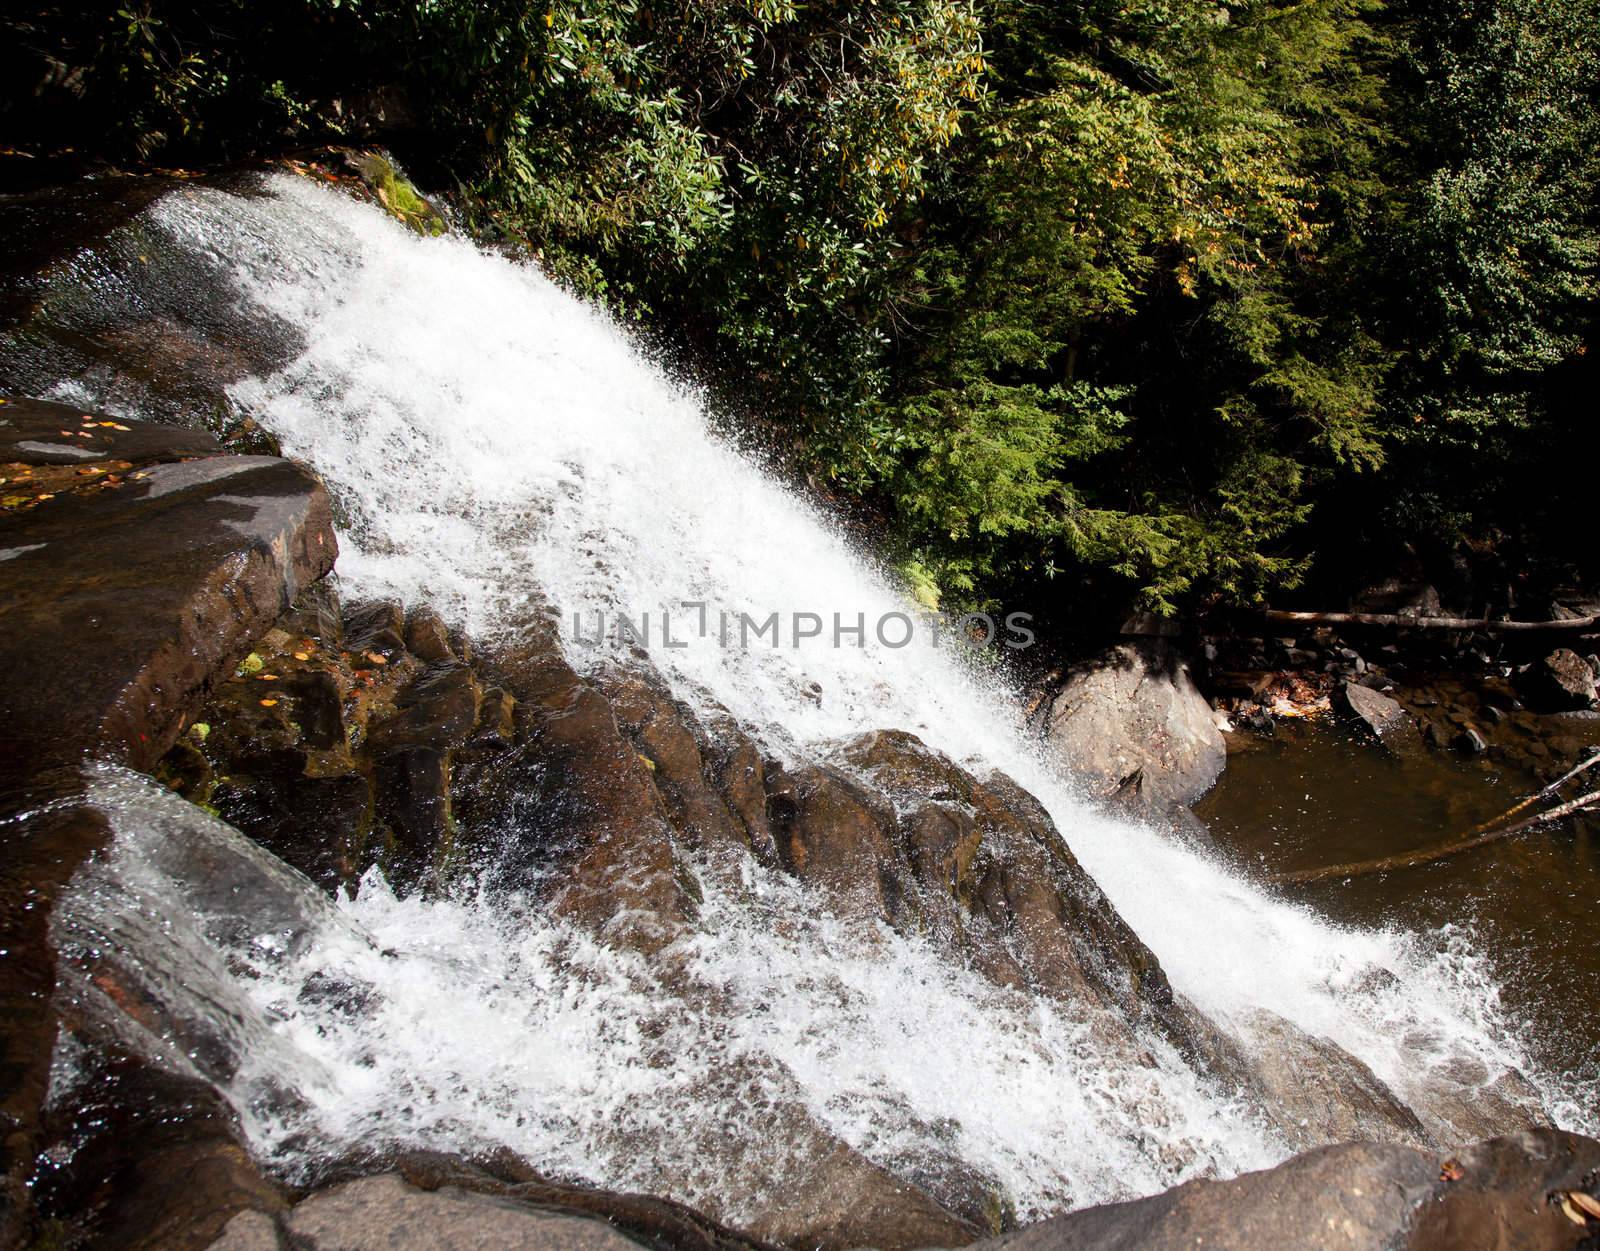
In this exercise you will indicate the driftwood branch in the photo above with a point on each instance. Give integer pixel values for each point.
(1587, 763)
(1365, 868)
(1483, 624)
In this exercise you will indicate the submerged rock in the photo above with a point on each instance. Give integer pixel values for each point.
(1135, 711)
(1316, 1092)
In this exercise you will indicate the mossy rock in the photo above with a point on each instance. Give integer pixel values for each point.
(397, 195)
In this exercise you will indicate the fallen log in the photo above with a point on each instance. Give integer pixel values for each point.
(1388, 864)
(1486, 625)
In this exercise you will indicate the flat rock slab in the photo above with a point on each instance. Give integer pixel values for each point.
(386, 1214)
(39, 432)
(118, 609)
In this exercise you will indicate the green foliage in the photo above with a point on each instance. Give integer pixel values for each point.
(180, 80)
(1147, 294)
(1120, 362)
(1500, 244)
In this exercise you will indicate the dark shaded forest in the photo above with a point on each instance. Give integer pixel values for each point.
(1169, 304)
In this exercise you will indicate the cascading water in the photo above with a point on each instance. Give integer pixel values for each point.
(495, 445)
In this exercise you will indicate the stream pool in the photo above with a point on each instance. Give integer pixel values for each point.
(1314, 794)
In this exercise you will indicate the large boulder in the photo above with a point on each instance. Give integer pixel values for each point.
(1506, 1193)
(1132, 720)
(1561, 682)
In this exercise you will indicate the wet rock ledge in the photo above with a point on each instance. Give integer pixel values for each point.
(140, 574)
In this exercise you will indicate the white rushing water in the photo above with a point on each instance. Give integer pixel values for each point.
(488, 439)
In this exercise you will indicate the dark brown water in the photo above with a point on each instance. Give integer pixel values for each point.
(1314, 795)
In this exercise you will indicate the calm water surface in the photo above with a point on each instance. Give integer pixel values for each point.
(1315, 795)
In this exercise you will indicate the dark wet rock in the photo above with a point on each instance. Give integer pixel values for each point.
(1493, 1195)
(427, 637)
(497, 718)
(319, 825)
(1369, 710)
(120, 610)
(739, 772)
(1469, 741)
(378, 626)
(414, 805)
(839, 836)
(316, 615)
(340, 760)
(1561, 682)
(48, 225)
(1399, 597)
(573, 809)
(143, 322)
(132, 1150)
(702, 773)
(124, 607)
(158, 1164)
(437, 710)
(1135, 709)
(894, 829)
(38, 432)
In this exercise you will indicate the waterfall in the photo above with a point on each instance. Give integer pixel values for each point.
(495, 447)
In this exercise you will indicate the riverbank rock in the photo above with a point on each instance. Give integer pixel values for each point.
(1506, 1193)
(1561, 682)
(1368, 710)
(1133, 718)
